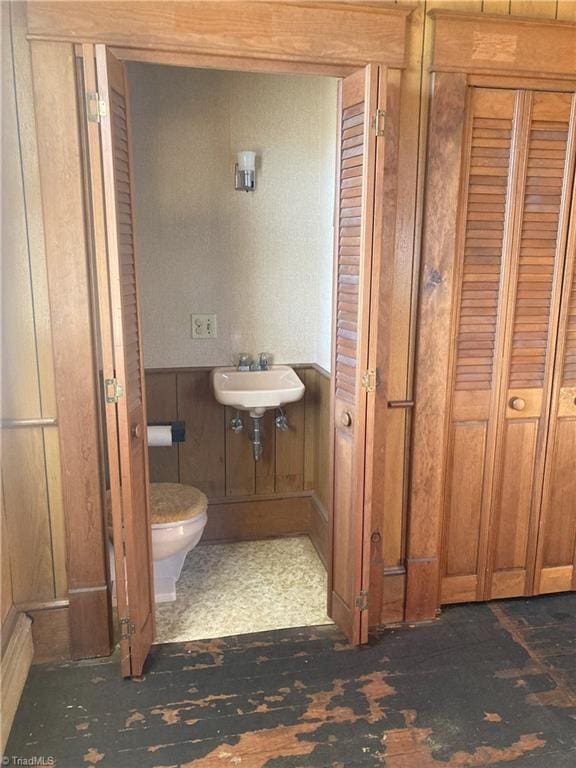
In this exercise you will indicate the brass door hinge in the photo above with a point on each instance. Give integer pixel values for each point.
(369, 380)
(127, 628)
(379, 122)
(96, 108)
(361, 601)
(113, 390)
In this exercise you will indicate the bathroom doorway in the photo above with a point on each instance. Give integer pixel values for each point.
(276, 298)
(222, 272)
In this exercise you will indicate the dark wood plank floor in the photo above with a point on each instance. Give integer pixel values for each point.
(485, 685)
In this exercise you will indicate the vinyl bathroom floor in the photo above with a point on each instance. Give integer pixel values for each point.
(248, 586)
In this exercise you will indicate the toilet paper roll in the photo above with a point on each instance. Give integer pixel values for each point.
(160, 436)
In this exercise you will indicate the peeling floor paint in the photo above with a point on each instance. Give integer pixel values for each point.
(484, 685)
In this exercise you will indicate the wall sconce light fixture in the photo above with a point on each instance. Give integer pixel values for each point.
(245, 176)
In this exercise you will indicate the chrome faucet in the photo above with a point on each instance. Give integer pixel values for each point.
(261, 364)
(245, 362)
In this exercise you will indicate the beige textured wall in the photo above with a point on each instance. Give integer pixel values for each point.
(261, 261)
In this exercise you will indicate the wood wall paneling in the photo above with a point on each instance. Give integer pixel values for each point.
(202, 457)
(265, 469)
(240, 466)
(289, 459)
(248, 499)
(439, 243)
(30, 466)
(75, 374)
(6, 601)
(162, 405)
(244, 520)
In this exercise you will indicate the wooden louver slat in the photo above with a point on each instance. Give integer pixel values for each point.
(349, 237)
(546, 159)
(126, 246)
(487, 186)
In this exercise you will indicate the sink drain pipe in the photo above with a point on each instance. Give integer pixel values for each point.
(257, 437)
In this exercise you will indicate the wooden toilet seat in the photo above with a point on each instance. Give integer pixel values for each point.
(170, 503)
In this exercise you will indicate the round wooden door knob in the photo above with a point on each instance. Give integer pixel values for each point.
(346, 419)
(137, 431)
(518, 403)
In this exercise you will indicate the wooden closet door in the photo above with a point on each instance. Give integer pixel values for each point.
(483, 261)
(518, 169)
(358, 101)
(120, 323)
(546, 159)
(556, 556)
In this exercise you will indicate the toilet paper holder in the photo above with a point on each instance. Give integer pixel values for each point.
(178, 429)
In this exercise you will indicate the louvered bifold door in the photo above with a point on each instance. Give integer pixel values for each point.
(132, 530)
(545, 179)
(555, 562)
(485, 221)
(358, 99)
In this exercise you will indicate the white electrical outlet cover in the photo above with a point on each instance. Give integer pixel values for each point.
(204, 326)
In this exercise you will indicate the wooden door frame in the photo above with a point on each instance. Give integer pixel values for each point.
(316, 39)
(464, 56)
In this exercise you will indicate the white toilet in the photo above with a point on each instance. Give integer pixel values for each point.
(179, 515)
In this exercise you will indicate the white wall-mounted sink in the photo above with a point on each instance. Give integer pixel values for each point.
(256, 391)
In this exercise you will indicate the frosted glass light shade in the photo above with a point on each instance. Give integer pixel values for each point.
(246, 160)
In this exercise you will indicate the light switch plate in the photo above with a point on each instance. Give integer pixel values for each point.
(204, 327)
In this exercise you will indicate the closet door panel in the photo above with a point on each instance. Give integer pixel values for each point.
(556, 559)
(514, 507)
(534, 295)
(559, 535)
(356, 170)
(464, 510)
(126, 412)
(484, 224)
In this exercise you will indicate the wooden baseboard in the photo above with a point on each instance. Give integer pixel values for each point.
(51, 632)
(393, 596)
(15, 666)
(319, 530)
(258, 519)
(422, 588)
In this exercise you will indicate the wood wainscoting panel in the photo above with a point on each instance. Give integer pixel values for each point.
(240, 465)
(161, 405)
(219, 461)
(290, 451)
(27, 515)
(322, 470)
(319, 529)
(265, 469)
(248, 499)
(245, 520)
(202, 455)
